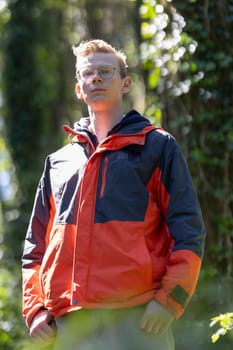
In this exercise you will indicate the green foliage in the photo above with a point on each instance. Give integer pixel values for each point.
(225, 322)
(165, 49)
(21, 116)
(11, 323)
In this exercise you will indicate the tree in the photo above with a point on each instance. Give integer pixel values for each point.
(35, 98)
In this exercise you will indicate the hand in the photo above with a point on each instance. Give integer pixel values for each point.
(41, 329)
(156, 318)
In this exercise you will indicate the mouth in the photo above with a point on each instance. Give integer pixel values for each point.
(96, 90)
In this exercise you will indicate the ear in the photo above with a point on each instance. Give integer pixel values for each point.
(126, 85)
(78, 91)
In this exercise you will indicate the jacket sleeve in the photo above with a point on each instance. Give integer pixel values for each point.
(180, 207)
(35, 245)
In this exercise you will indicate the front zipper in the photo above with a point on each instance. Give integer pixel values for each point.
(103, 180)
(75, 286)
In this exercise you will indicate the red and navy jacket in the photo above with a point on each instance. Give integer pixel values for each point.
(114, 224)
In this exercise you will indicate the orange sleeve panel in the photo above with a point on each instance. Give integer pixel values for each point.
(179, 283)
(34, 249)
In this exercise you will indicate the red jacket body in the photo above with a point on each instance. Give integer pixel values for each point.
(113, 225)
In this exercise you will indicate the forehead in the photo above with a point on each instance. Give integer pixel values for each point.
(97, 59)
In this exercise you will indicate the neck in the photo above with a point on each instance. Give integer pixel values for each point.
(102, 122)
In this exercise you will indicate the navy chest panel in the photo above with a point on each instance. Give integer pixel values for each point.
(66, 173)
(121, 193)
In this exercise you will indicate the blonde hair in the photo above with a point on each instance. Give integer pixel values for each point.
(86, 48)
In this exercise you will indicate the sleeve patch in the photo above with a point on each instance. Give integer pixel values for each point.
(180, 295)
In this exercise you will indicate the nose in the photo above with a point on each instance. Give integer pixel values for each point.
(96, 76)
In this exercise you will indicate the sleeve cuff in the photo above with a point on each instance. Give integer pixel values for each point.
(170, 302)
(31, 313)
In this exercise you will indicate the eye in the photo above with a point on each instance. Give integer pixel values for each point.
(86, 73)
(105, 70)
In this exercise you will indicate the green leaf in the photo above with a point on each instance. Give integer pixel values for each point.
(154, 78)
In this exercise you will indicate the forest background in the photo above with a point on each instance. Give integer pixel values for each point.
(180, 55)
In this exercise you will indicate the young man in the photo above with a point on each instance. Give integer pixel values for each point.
(116, 223)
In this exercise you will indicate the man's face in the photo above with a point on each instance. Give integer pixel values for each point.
(100, 84)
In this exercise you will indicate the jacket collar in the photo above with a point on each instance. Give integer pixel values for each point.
(132, 129)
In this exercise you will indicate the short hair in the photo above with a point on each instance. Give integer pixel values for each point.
(86, 48)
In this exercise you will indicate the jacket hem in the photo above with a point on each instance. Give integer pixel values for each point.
(136, 301)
